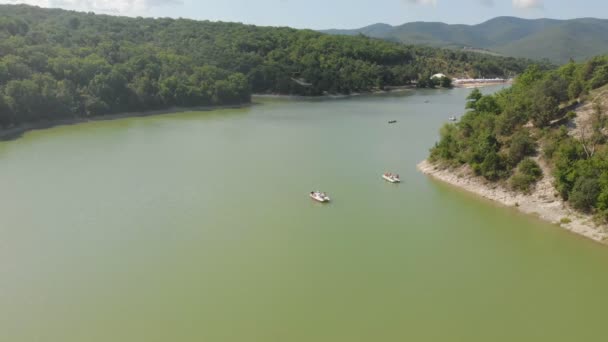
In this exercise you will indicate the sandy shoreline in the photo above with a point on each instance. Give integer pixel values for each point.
(481, 85)
(542, 202)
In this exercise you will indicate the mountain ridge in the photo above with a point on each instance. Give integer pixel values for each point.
(557, 40)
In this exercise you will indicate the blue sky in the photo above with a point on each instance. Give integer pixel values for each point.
(320, 14)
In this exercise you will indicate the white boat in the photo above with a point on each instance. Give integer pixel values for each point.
(389, 177)
(453, 118)
(319, 196)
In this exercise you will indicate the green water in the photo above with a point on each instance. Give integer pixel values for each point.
(198, 227)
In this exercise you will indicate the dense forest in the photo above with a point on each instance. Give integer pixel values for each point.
(62, 64)
(503, 137)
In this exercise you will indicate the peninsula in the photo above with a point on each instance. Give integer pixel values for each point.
(540, 146)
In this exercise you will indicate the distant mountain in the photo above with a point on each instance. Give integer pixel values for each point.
(556, 40)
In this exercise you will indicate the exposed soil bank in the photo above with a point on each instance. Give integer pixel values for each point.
(542, 201)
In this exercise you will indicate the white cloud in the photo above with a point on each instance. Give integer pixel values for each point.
(489, 3)
(422, 2)
(108, 6)
(527, 4)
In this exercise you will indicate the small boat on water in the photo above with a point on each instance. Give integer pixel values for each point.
(392, 178)
(453, 118)
(319, 196)
(392, 122)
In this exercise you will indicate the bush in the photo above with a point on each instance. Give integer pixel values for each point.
(522, 145)
(585, 193)
(530, 168)
(528, 173)
(492, 167)
(571, 115)
(446, 82)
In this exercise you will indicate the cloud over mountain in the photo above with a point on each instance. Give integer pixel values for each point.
(422, 2)
(528, 4)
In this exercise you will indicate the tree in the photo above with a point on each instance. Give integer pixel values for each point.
(492, 166)
(6, 114)
(487, 104)
(521, 146)
(528, 173)
(575, 89)
(585, 193)
(472, 99)
(543, 108)
(24, 99)
(83, 65)
(446, 82)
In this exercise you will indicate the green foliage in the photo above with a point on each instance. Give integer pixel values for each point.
(543, 109)
(472, 99)
(521, 146)
(56, 63)
(496, 140)
(571, 115)
(447, 148)
(446, 82)
(585, 193)
(527, 174)
(492, 166)
(530, 168)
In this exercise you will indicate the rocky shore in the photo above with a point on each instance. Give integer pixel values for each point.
(542, 201)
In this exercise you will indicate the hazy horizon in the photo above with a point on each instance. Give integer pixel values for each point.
(317, 14)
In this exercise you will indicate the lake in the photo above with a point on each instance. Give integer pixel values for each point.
(198, 227)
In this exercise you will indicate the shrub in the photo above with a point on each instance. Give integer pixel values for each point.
(522, 145)
(571, 115)
(585, 193)
(528, 173)
(492, 167)
(530, 168)
(446, 82)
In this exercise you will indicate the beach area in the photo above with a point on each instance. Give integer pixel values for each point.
(471, 84)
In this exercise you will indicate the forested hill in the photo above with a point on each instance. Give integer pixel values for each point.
(63, 64)
(556, 118)
(556, 40)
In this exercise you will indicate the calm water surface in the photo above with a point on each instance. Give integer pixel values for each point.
(198, 227)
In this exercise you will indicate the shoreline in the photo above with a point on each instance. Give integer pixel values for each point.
(541, 202)
(392, 90)
(17, 132)
(481, 84)
(13, 133)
